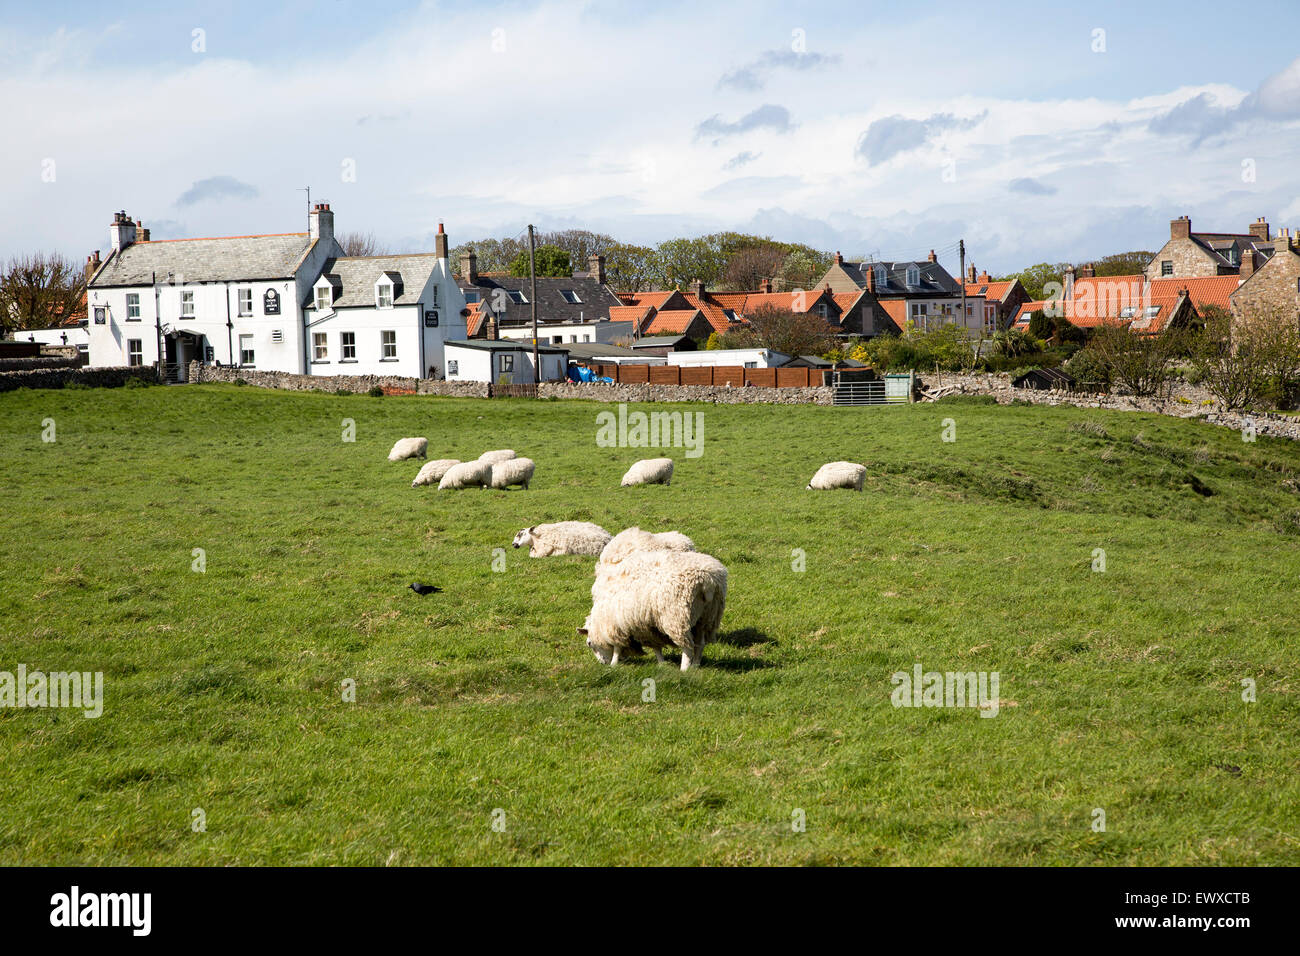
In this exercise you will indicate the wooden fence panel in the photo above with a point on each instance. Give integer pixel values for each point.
(729, 375)
(762, 377)
(633, 374)
(792, 377)
(697, 375)
(664, 374)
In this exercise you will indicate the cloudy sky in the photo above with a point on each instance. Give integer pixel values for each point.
(1033, 130)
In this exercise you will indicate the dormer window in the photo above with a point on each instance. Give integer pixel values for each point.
(324, 297)
(913, 275)
(570, 297)
(517, 297)
(384, 295)
(882, 276)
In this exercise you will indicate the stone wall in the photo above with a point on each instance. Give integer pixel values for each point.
(292, 382)
(90, 377)
(45, 361)
(716, 394)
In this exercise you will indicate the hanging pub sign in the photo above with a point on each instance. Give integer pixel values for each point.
(431, 319)
(101, 315)
(271, 303)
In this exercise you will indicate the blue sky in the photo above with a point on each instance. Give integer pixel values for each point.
(1035, 131)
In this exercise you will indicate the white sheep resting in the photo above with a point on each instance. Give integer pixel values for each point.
(659, 599)
(467, 474)
(562, 537)
(492, 457)
(433, 471)
(839, 474)
(650, 471)
(629, 541)
(516, 471)
(409, 448)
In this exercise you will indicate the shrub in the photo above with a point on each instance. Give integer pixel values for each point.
(1088, 368)
(136, 383)
(240, 381)
(376, 392)
(342, 391)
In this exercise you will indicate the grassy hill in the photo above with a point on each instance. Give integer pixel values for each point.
(1120, 690)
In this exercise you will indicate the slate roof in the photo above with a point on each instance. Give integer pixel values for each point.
(584, 351)
(221, 259)
(354, 278)
(505, 345)
(658, 341)
(595, 299)
(934, 279)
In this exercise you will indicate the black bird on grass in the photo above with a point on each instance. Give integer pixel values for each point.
(423, 589)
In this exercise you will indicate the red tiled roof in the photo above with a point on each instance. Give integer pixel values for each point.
(473, 320)
(671, 322)
(1203, 291)
(990, 290)
(629, 313)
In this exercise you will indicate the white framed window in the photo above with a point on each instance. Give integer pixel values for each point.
(1166, 267)
(347, 346)
(245, 297)
(133, 306)
(586, 338)
(913, 275)
(384, 295)
(388, 345)
(187, 303)
(570, 297)
(320, 351)
(517, 297)
(507, 362)
(882, 275)
(246, 353)
(324, 297)
(134, 352)
(1151, 311)
(920, 310)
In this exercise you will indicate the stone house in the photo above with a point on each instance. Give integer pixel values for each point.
(1200, 254)
(1274, 287)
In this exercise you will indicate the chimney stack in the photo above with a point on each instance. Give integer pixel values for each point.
(1087, 272)
(699, 288)
(440, 243)
(984, 276)
(970, 274)
(839, 259)
(491, 332)
(1259, 229)
(596, 268)
(1180, 228)
(122, 232)
(1247, 264)
(469, 267)
(1069, 278)
(92, 265)
(322, 222)
(931, 257)
(870, 271)
(765, 286)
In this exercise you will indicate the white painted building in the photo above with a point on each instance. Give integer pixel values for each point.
(233, 300)
(563, 333)
(77, 335)
(384, 315)
(748, 358)
(498, 360)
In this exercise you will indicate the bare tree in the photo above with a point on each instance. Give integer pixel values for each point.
(794, 333)
(749, 266)
(362, 244)
(40, 290)
(1139, 363)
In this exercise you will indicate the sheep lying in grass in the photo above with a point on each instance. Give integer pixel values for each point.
(839, 474)
(467, 475)
(562, 537)
(659, 599)
(492, 457)
(516, 471)
(649, 471)
(409, 448)
(433, 471)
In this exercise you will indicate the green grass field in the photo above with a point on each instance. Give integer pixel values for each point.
(1119, 690)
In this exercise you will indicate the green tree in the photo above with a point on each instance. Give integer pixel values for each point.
(550, 260)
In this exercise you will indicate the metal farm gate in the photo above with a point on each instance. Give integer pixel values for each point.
(852, 389)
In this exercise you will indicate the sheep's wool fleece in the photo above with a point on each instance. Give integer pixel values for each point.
(408, 448)
(433, 471)
(515, 471)
(467, 474)
(661, 598)
(492, 457)
(649, 471)
(567, 537)
(839, 474)
(634, 539)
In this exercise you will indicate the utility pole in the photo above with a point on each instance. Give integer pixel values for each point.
(308, 189)
(961, 251)
(532, 274)
(157, 325)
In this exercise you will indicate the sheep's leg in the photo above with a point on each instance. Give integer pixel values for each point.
(659, 654)
(687, 657)
(613, 661)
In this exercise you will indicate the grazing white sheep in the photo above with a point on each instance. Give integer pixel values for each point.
(659, 599)
(562, 537)
(492, 457)
(839, 474)
(630, 540)
(466, 475)
(433, 471)
(516, 471)
(409, 448)
(649, 471)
